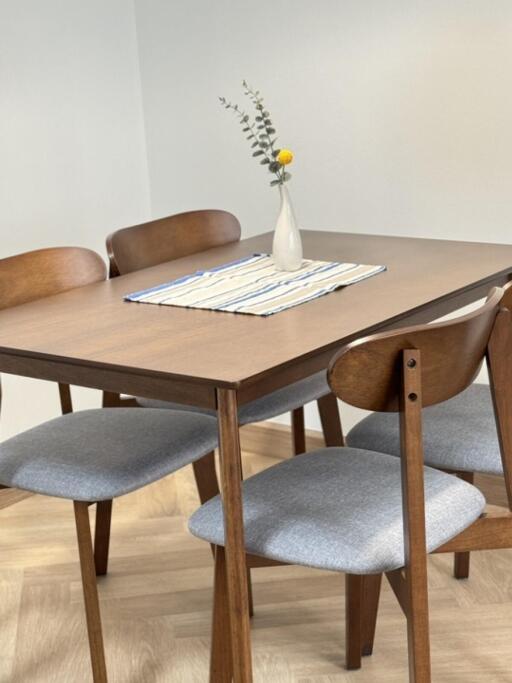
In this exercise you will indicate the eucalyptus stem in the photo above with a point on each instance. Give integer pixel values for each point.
(260, 132)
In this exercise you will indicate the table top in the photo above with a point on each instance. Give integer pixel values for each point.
(94, 327)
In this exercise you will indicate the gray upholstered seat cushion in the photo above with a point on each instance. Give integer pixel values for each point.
(340, 509)
(100, 454)
(459, 434)
(276, 403)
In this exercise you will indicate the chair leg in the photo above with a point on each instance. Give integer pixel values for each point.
(249, 592)
(208, 487)
(66, 402)
(461, 560)
(461, 565)
(361, 606)
(353, 620)
(102, 536)
(221, 663)
(330, 419)
(206, 477)
(111, 400)
(371, 594)
(418, 639)
(298, 431)
(90, 589)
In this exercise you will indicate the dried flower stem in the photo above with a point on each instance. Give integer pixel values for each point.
(260, 132)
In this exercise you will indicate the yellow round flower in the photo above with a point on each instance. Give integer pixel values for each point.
(285, 157)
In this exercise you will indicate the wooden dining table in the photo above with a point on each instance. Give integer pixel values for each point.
(92, 337)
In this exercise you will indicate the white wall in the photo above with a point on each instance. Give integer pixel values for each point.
(72, 149)
(399, 112)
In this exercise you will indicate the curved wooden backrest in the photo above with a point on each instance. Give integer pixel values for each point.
(44, 272)
(368, 373)
(166, 239)
(36, 274)
(506, 302)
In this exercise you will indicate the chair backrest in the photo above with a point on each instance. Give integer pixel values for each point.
(405, 370)
(506, 302)
(37, 274)
(45, 272)
(368, 373)
(166, 239)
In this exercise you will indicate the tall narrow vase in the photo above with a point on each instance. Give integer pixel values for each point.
(287, 246)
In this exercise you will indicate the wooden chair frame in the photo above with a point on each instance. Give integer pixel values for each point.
(28, 277)
(492, 531)
(31, 276)
(410, 583)
(405, 388)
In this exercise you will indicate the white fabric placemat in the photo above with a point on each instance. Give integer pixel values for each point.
(253, 285)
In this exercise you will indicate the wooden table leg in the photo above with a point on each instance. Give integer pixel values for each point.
(221, 659)
(236, 569)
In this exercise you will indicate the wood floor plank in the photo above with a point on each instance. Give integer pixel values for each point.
(11, 584)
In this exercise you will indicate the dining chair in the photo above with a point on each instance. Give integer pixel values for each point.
(36, 274)
(173, 237)
(364, 512)
(459, 436)
(90, 456)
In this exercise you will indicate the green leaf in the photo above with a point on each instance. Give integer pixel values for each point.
(259, 118)
(274, 167)
(287, 176)
(264, 145)
(260, 127)
(258, 153)
(246, 129)
(255, 144)
(265, 161)
(266, 114)
(275, 152)
(249, 137)
(270, 131)
(274, 182)
(259, 106)
(267, 122)
(245, 118)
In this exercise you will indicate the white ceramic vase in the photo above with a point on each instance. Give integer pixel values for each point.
(287, 246)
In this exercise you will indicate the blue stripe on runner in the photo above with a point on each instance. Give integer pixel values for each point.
(158, 288)
(231, 264)
(251, 295)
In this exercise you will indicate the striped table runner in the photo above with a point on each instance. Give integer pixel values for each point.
(253, 285)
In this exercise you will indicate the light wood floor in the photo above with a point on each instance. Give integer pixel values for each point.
(156, 603)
